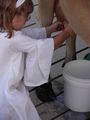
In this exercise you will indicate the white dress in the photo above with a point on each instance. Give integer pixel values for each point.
(15, 103)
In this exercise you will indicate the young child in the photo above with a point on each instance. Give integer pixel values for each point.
(15, 103)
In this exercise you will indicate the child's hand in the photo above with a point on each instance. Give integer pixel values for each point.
(57, 26)
(62, 36)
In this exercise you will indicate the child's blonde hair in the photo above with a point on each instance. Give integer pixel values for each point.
(8, 10)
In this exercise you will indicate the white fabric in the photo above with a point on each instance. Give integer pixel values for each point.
(35, 32)
(38, 66)
(15, 103)
(19, 3)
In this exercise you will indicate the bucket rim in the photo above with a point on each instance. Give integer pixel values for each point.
(67, 74)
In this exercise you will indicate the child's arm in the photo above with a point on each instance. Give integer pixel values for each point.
(42, 33)
(59, 39)
(35, 33)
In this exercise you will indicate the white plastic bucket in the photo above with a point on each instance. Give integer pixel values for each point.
(77, 85)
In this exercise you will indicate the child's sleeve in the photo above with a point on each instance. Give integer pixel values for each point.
(38, 63)
(38, 60)
(36, 33)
